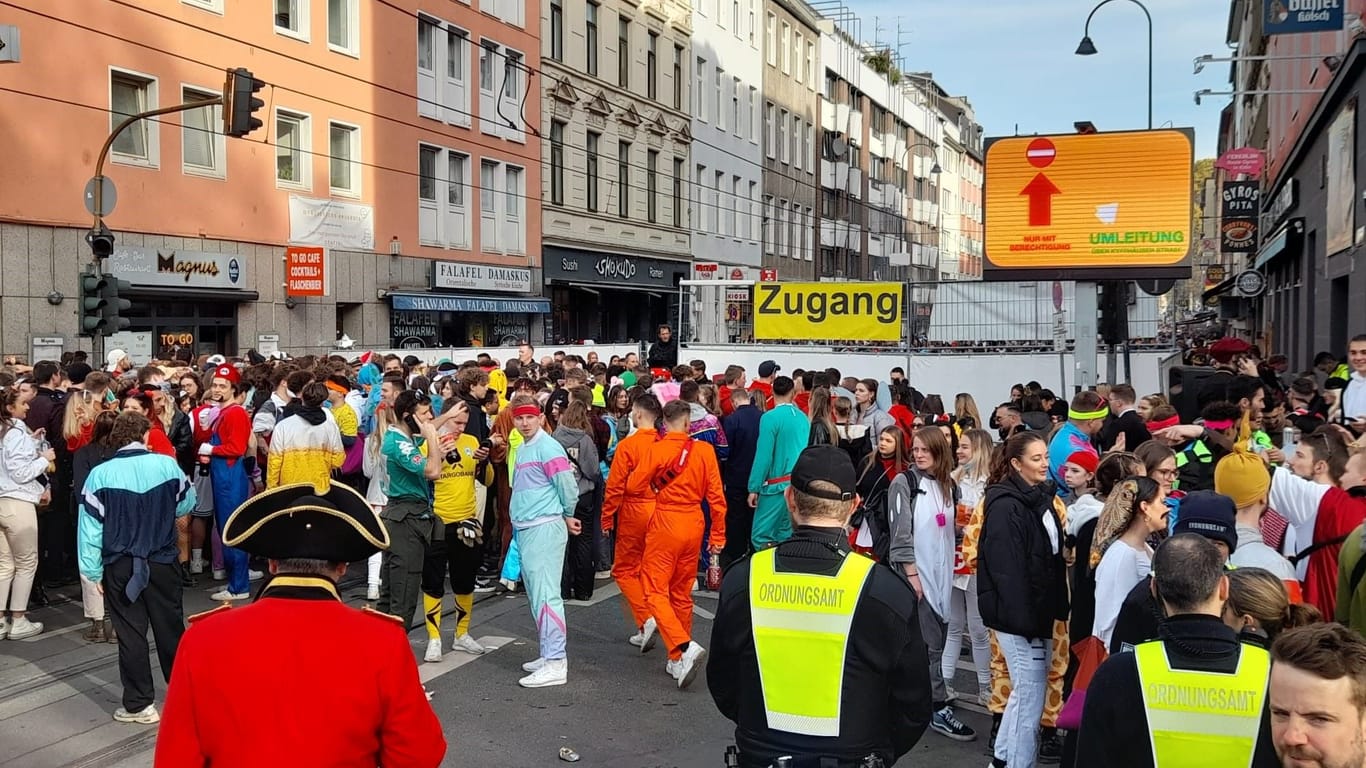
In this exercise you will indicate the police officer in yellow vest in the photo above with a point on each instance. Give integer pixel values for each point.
(816, 652)
(1201, 690)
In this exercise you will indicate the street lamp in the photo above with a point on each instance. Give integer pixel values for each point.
(1088, 48)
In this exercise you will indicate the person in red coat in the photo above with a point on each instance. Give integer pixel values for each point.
(370, 709)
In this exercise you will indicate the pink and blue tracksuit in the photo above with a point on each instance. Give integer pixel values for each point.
(544, 494)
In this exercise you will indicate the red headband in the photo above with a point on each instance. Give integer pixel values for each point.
(526, 410)
(1219, 424)
(1161, 424)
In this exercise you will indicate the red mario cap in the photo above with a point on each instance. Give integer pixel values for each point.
(227, 372)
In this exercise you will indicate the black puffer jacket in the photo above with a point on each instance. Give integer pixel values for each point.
(1021, 582)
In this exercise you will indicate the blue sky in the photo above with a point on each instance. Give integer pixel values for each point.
(1015, 60)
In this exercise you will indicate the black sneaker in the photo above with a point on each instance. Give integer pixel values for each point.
(485, 585)
(1050, 749)
(991, 742)
(947, 723)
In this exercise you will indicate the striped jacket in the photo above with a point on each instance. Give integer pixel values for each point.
(304, 452)
(128, 509)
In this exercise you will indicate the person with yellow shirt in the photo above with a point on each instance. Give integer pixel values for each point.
(306, 444)
(456, 550)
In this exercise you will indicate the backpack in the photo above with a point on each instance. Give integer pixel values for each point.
(882, 543)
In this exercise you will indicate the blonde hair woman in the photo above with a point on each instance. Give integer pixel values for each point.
(1136, 509)
(974, 449)
(965, 409)
(78, 419)
(1258, 602)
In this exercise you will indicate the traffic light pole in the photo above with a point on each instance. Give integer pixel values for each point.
(97, 340)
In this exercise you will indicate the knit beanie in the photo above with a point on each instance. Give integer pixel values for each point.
(1087, 460)
(1242, 475)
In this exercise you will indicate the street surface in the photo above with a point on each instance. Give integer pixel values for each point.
(619, 709)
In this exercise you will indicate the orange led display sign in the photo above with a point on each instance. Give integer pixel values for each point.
(1095, 205)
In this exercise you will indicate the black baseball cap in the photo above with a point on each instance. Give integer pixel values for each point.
(828, 464)
(768, 368)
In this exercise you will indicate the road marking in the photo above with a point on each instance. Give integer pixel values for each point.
(453, 660)
(703, 612)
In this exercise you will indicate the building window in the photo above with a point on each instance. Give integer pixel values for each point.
(770, 141)
(487, 51)
(752, 110)
(130, 94)
(344, 173)
(768, 224)
(797, 141)
(557, 163)
(512, 186)
(442, 177)
(624, 52)
(735, 122)
(456, 179)
(651, 185)
(717, 223)
(201, 136)
(591, 168)
(624, 179)
(700, 90)
(291, 18)
(343, 26)
(556, 30)
(733, 210)
(808, 134)
(442, 93)
(488, 205)
(810, 63)
(678, 77)
(292, 151)
(749, 211)
(735, 16)
(590, 33)
(678, 192)
(652, 67)
(426, 173)
(751, 22)
(798, 53)
(784, 153)
(769, 38)
(698, 191)
(512, 67)
(214, 6)
(720, 77)
(786, 47)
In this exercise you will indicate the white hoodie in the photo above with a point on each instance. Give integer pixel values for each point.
(21, 465)
(1083, 510)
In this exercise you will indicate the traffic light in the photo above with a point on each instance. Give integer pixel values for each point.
(101, 242)
(92, 304)
(240, 103)
(1114, 311)
(114, 306)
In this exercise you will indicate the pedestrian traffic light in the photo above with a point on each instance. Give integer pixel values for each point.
(240, 103)
(101, 242)
(1114, 311)
(92, 304)
(114, 306)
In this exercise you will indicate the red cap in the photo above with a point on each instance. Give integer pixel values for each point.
(227, 372)
(1086, 460)
(1225, 349)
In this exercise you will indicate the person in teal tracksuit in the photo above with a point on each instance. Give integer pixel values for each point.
(783, 434)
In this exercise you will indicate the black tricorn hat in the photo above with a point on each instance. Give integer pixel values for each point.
(302, 521)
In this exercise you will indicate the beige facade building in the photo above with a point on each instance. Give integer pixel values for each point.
(791, 89)
(616, 135)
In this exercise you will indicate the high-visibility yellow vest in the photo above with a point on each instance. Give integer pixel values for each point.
(801, 630)
(1198, 718)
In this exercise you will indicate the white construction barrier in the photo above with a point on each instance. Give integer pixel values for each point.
(433, 355)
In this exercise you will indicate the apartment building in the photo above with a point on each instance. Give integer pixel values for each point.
(727, 147)
(1297, 98)
(960, 190)
(353, 125)
(791, 88)
(618, 132)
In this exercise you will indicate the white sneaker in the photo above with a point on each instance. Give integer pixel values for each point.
(255, 575)
(433, 650)
(554, 672)
(468, 645)
(372, 592)
(984, 698)
(21, 628)
(638, 639)
(533, 665)
(145, 716)
(685, 669)
(197, 566)
(671, 667)
(603, 575)
(4, 627)
(219, 574)
(648, 635)
(226, 594)
(949, 693)
(508, 584)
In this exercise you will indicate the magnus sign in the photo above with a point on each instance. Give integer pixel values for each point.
(176, 267)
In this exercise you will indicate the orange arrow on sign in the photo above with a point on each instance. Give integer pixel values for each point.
(1041, 192)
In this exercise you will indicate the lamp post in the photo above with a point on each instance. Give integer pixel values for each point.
(1088, 48)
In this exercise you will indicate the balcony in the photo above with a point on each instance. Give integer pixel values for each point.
(840, 234)
(877, 246)
(886, 195)
(876, 145)
(838, 174)
(855, 125)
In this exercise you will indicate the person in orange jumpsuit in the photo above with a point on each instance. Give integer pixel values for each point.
(372, 709)
(683, 472)
(630, 513)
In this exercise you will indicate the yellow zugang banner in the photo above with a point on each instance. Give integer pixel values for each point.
(828, 311)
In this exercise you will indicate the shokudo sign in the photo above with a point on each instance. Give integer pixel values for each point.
(1091, 205)
(828, 311)
(305, 271)
(1240, 206)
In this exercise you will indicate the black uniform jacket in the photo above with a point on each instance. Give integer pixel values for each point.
(886, 698)
(1114, 730)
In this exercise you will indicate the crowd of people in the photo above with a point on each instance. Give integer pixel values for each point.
(1046, 537)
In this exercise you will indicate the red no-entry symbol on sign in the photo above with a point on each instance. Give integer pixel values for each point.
(1041, 153)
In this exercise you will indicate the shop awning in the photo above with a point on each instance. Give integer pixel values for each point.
(1288, 238)
(192, 294)
(440, 302)
(1220, 289)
